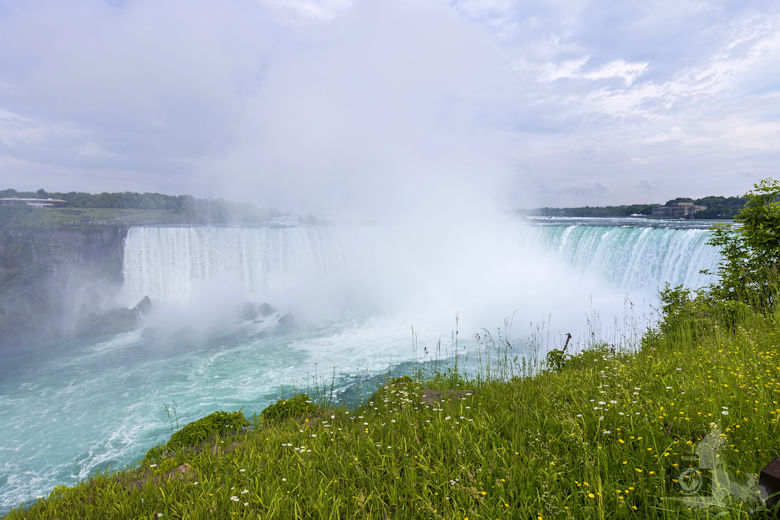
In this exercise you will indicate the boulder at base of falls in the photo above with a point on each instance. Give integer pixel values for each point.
(114, 321)
(253, 311)
(143, 307)
(287, 320)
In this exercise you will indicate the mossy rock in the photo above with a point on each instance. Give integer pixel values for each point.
(298, 406)
(218, 423)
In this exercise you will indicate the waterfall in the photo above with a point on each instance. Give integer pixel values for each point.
(633, 257)
(169, 263)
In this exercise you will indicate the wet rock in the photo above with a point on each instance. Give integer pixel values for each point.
(143, 307)
(114, 321)
(265, 309)
(252, 311)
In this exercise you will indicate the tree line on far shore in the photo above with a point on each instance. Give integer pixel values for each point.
(220, 210)
(717, 208)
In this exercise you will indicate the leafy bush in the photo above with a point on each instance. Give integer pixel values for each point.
(748, 271)
(298, 406)
(556, 359)
(596, 355)
(217, 423)
(697, 314)
(196, 432)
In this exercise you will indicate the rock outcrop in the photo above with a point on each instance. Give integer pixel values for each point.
(51, 277)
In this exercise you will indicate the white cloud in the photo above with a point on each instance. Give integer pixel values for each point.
(92, 149)
(629, 72)
(310, 9)
(566, 69)
(17, 130)
(574, 69)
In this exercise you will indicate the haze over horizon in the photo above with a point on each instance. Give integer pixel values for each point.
(368, 107)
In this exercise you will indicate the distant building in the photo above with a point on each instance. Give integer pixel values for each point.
(34, 202)
(677, 210)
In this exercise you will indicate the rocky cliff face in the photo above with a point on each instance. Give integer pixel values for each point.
(49, 277)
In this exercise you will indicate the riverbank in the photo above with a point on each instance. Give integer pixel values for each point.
(608, 434)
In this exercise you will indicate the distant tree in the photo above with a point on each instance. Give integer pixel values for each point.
(679, 199)
(596, 211)
(720, 207)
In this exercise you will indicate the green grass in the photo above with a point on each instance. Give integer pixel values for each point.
(80, 217)
(84, 216)
(605, 436)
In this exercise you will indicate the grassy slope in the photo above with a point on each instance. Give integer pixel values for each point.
(601, 438)
(48, 217)
(44, 218)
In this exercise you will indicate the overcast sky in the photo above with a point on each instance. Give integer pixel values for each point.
(340, 105)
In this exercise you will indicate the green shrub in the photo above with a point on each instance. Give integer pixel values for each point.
(298, 406)
(218, 423)
(748, 271)
(596, 355)
(556, 359)
(694, 316)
